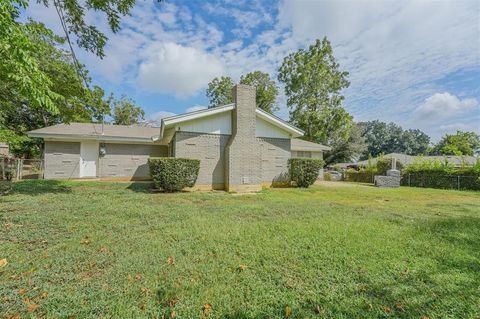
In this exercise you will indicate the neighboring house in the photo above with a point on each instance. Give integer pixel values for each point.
(405, 159)
(240, 147)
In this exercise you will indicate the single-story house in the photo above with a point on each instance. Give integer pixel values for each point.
(456, 161)
(240, 147)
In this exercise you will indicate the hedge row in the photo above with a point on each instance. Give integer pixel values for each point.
(442, 175)
(172, 174)
(304, 171)
(361, 176)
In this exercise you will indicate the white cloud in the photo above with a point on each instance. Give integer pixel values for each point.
(444, 105)
(195, 108)
(172, 68)
(391, 49)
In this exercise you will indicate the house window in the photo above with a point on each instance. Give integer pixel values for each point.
(304, 154)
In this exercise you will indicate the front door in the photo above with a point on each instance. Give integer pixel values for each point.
(88, 159)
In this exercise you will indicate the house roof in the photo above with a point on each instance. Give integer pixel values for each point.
(170, 121)
(94, 131)
(302, 145)
(409, 159)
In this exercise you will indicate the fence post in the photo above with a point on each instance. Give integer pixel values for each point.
(18, 170)
(458, 182)
(409, 180)
(3, 168)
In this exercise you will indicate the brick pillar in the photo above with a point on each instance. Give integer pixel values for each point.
(242, 152)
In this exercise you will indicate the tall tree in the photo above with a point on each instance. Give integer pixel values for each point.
(125, 112)
(313, 85)
(267, 90)
(461, 143)
(17, 51)
(219, 90)
(348, 150)
(74, 100)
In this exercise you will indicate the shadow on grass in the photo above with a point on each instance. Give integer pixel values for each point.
(141, 187)
(38, 187)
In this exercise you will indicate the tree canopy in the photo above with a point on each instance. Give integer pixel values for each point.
(20, 64)
(388, 138)
(219, 90)
(460, 143)
(125, 111)
(347, 150)
(74, 100)
(313, 85)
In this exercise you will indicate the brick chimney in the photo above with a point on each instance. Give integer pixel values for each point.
(242, 152)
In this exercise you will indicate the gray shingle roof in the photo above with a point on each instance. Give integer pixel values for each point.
(94, 130)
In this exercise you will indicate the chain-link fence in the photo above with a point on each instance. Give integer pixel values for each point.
(459, 182)
(18, 169)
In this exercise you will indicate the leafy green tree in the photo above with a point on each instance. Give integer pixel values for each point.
(125, 112)
(219, 91)
(313, 85)
(267, 90)
(348, 150)
(18, 64)
(75, 102)
(461, 143)
(17, 51)
(385, 138)
(415, 142)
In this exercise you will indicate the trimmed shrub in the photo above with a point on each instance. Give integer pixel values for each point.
(304, 171)
(361, 176)
(172, 174)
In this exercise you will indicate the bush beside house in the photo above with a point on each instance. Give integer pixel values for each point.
(304, 171)
(172, 174)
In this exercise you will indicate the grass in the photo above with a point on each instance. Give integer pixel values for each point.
(115, 250)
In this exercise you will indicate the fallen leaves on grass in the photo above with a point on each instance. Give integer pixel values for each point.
(3, 262)
(16, 316)
(206, 309)
(32, 307)
(22, 291)
(173, 314)
(85, 241)
(173, 301)
(288, 311)
(170, 260)
(138, 276)
(146, 291)
(387, 309)
(241, 268)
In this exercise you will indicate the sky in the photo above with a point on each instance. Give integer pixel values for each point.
(416, 63)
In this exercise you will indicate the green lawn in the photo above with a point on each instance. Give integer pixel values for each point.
(115, 250)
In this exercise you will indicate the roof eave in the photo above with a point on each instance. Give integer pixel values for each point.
(294, 131)
(91, 137)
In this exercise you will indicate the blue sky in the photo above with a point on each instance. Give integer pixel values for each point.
(416, 63)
